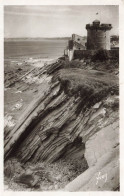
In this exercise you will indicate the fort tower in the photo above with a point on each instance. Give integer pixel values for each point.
(98, 36)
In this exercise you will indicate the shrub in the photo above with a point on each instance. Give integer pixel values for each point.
(101, 55)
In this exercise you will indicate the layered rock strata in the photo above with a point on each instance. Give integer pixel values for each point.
(68, 121)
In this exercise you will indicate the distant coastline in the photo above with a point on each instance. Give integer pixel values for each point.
(113, 38)
(36, 39)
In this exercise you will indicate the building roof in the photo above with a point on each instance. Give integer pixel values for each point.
(96, 21)
(96, 25)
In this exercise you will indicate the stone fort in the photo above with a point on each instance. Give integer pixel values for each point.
(98, 37)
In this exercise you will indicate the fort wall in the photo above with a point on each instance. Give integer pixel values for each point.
(80, 54)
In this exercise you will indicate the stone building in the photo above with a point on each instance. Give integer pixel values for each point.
(98, 36)
(75, 43)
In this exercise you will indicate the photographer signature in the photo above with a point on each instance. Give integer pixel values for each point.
(101, 177)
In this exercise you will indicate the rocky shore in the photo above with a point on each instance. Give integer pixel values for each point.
(62, 126)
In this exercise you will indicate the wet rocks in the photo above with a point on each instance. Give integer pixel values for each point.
(25, 179)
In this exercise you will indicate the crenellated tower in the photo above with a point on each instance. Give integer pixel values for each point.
(98, 36)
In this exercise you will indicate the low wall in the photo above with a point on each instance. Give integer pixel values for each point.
(83, 54)
(114, 53)
(80, 54)
(71, 54)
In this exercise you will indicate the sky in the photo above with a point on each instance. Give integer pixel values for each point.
(56, 21)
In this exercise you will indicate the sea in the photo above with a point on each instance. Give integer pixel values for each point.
(46, 49)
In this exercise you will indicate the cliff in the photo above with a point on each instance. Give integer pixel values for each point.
(76, 117)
